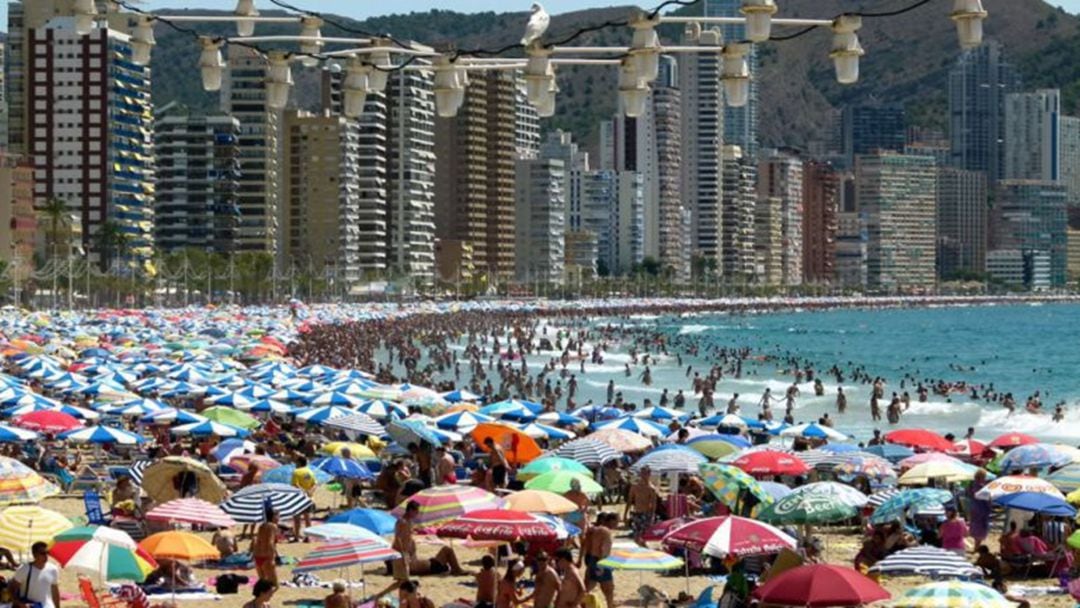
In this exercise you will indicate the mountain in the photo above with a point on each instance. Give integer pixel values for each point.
(907, 59)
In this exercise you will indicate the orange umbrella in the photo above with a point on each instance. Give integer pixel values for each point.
(539, 501)
(179, 545)
(463, 407)
(518, 447)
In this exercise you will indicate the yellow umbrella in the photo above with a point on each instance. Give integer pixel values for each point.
(158, 480)
(357, 450)
(23, 526)
(945, 470)
(539, 501)
(179, 545)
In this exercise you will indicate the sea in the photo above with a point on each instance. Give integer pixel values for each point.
(1019, 348)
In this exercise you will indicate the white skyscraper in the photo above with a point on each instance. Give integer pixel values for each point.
(1033, 135)
(780, 176)
(540, 220)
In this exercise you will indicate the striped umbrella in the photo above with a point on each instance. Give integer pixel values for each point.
(191, 511)
(942, 470)
(11, 434)
(322, 414)
(102, 435)
(356, 423)
(135, 471)
(684, 460)
(381, 410)
(335, 398)
(461, 395)
(926, 561)
(406, 432)
(132, 407)
(822, 460)
(871, 466)
(639, 426)
(340, 531)
(172, 414)
(249, 504)
(22, 526)
(543, 431)
(659, 413)
(343, 554)
(1033, 456)
(896, 507)
(106, 554)
(462, 422)
(208, 428)
(441, 504)
(730, 535)
(587, 451)
(498, 524)
(633, 557)
(263, 406)
(513, 409)
(21, 484)
(952, 594)
(814, 430)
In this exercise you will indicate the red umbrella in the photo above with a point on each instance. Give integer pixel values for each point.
(498, 524)
(661, 529)
(47, 421)
(771, 462)
(968, 447)
(1012, 440)
(820, 585)
(919, 438)
(730, 535)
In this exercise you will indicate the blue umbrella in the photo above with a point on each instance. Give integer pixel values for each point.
(641, 426)
(322, 414)
(730, 421)
(560, 418)
(1033, 456)
(346, 468)
(284, 475)
(405, 432)
(839, 448)
(1037, 502)
(172, 414)
(379, 522)
(592, 413)
(736, 440)
(461, 421)
(102, 435)
(890, 451)
(13, 434)
(335, 398)
(774, 489)
(461, 395)
(225, 449)
(267, 405)
(513, 409)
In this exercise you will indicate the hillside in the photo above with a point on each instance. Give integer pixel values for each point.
(907, 60)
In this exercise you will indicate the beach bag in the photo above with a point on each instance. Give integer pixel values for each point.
(227, 584)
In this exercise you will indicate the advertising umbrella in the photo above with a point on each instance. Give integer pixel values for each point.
(103, 553)
(22, 526)
(374, 520)
(952, 594)
(559, 482)
(191, 511)
(1033, 456)
(919, 438)
(160, 480)
(21, 484)
(1037, 502)
(441, 504)
(926, 561)
(587, 452)
(820, 585)
(730, 535)
(249, 504)
(547, 464)
(539, 501)
(498, 524)
(816, 503)
(518, 447)
(1012, 484)
(769, 462)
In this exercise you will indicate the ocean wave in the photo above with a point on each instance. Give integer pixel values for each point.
(997, 421)
(693, 329)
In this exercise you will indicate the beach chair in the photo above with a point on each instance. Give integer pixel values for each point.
(95, 600)
(94, 515)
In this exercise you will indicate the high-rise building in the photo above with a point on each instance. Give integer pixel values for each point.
(587, 203)
(198, 170)
(611, 207)
(703, 137)
(19, 225)
(243, 96)
(740, 124)
(527, 134)
(962, 215)
(896, 195)
(1070, 158)
(738, 204)
(1029, 217)
(1033, 135)
(540, 221)
(780, 176)
(330, 228)
(475, 172)
(978, 85)
(89, 131)
(851, 237)
(870, 128)
(822, 190)
(1072, 264)
(768, 241)
(3, 100)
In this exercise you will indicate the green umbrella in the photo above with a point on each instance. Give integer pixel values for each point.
(728, 483)
(819, 503)
(559, 482)
(227, 415)
(548, 464)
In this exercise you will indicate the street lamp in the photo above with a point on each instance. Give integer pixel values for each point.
(968, 16)
(633, 93)
(377, 77)
(311, 40)
(278, 80)
(245, 8)
(211, 64)
(645, 47)
(450, 82)
(85, 14)
(758, 15)
(846, 49)
(735, 74)
(142, 40)
(355, 86)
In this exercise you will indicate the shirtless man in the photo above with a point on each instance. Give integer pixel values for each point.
(571, 588)
(580, 517)
(547, 582)
(264, 548)
(487, 582)
(841, 400)
(444, 467)
(499, 465)
(595, 547)
(403, 544)
(642, 500)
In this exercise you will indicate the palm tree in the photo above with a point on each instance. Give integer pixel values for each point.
(110, 241)
(56, 211)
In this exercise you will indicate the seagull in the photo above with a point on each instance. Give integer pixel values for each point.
(538, 24)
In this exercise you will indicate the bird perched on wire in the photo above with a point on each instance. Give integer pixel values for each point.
(538, 24)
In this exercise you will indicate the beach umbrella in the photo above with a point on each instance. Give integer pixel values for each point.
(1012, 484)
(1066, 479)
(373, 520)
(657, 531)
(237, 400)
(890, 451)
(547, 464)
(925, 457)
(729, 421)
(622, 440)
(345, 468)
(926, 560)
(968, 447)
(264, 406)
(513, 409)
(231, 417)
(407, 432)
(815, 503)
(587, 451)
(191, 511)
(332, 531)
(283, 475)
(770, 462)
(670, 461)
(338, 555)
(1012, 440)
(23, 525)
(462, 421)
(730, 535)
(840, 448)
(775, 489)
(132, 407)
(518, 447)
(158, 480)
(897, 506)
(459, 395)
(814, 430)
(243, 462)
(919, 438)
(21, 484)
(690, 431)
(952, 594)
(870, 466)
(102, 435)
(561, 418)
(440, 504)
(816, 459)
(178, 545)
(208, 428)
(228, 448)
(633, 557)
(106, 554)
(171, 415)
(660, 413)
(357, 451)
(324, 414)
(47, 421)
(728, 483)
(135, 471)
(1033, 456)
(11, 434)
(714, 445)
(559, 483)
(945, 471)
(543, 431)
(539, 501)
(248, 505)
(639, 426)
(1037, 502)
(381, 410)
(817, 585)
(498, 524)
(592, 413)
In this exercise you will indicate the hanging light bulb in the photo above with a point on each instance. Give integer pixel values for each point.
(969, 16)
(377, 78)
(85, 14)
(545, 104)
(633, 91)
(735, 74)
(846, 49)
(310, 28)
(142, 40)
(278, 80)
(211, 64)
(539, 73)
(450, 82)
(758, 15)
(245, 8)
(645, 46)
(355, 86)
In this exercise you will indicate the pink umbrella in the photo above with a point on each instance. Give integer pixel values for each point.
(925, 457)
(441, 504)
(661, 529)
(730, 535)
(191, 511)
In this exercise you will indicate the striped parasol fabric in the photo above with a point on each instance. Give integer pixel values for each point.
(382, 410)
(135, 471)
(498, 524)
(898, 503)
(102, 435)
(589, 452)
(21, 484)
(191, 511)
(319, 415)
(343, 554)
(249, 504)
(926, 561)
(952, 594)
(339, 531)
(357, 423)
(633, 557)
(22, 526)
(680, 460)
(441, 504)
